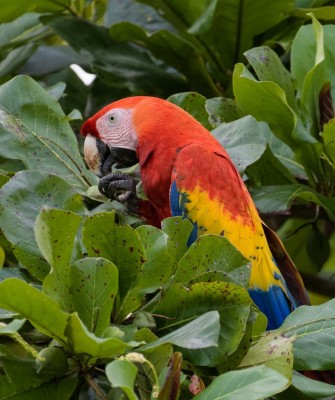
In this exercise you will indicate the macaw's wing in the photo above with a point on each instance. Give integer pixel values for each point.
(206, 188)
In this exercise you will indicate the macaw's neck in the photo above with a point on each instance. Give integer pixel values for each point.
(161, 135)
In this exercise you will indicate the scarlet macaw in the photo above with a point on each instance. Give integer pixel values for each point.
(185, 171)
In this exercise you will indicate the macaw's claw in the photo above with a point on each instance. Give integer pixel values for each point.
(118, 186)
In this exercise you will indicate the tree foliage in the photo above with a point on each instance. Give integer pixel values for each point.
(94, 304)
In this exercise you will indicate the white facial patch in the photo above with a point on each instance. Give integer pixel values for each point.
(117, 130)
(91, 153)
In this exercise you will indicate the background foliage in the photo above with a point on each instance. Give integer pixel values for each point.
(94, 304)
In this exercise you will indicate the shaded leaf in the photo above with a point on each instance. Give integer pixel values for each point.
(122, 374)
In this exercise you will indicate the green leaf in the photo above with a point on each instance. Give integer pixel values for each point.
(178, 231)
(194, 104)
(265, 101)
(52, 360)
(243, 139)
(221, 110)
(269, 67)
(28, 133)
(314, 331)
(120, 244)
(273, 350)
(200, 333)
(90, 347)
(269, 199)
(181, 303)
(42, 312)
(94, 287)
(16, 33)
(10, 10)
(21, 200)
(255, 383)
(122, 374)
(211, 253)
(55, 232)
(155, 271)
(268, 170)
(11, 327)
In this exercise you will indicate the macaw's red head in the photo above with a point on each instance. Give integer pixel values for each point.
(131, 129)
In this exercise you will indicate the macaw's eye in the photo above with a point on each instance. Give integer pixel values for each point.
(112, 118)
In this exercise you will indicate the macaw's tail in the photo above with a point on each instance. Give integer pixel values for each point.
(275, 283)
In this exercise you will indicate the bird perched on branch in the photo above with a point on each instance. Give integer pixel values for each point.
(185, 171)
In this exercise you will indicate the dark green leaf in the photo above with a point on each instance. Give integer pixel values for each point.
(180, 304)
(21, 200)
(94, 287)
(55, 232)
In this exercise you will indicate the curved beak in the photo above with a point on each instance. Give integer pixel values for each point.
(100, 157)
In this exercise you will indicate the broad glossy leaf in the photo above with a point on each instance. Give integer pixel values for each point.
(314, 331)
(120, 244)
(20, 31)
(178, 231)
(221, 109)
(303, 55)
(90, 347)
(21, 200)
(122, 374)
(55, 232)
(52, 360)
(94, 287)
(255, 383)
(201, 332)
(181, 304)
(211, 253)
(42, 312)
(269, 67)
(155, 271)
(243, 139)
(276, 199)
(35, 130)
(272, 350)
(194, 104)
